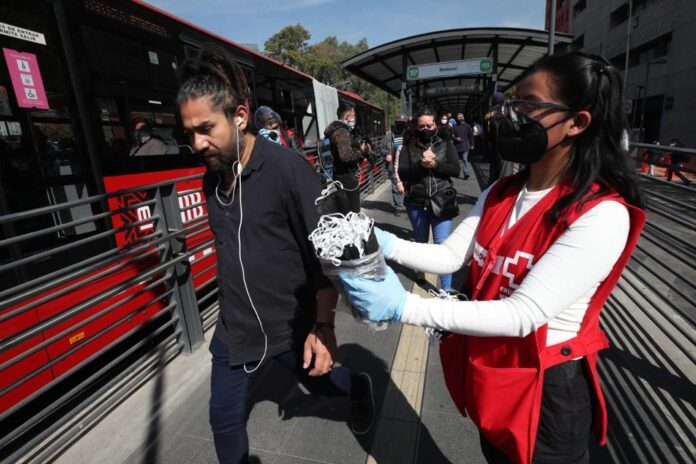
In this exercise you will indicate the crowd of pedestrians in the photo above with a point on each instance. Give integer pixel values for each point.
(545, 246)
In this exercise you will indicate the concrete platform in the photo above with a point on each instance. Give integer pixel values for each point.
(166, 421)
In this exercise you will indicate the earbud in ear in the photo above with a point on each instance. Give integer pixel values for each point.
(238, 120)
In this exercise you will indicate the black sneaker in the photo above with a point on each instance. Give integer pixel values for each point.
(362, 404)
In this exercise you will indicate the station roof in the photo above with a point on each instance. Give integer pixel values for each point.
(517, 49)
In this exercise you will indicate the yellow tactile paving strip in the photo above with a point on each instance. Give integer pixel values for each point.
(397, 425)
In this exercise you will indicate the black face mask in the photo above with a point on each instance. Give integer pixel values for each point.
(522, 140)
(426, 135)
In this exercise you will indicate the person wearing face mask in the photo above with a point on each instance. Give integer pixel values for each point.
(426, 165)
(146, 143)
(347, 152)
(464, 141)
(444, 130)
(545, 248)
(270, 126)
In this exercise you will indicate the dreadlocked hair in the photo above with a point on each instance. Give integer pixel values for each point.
(214, 75)
(591, 83)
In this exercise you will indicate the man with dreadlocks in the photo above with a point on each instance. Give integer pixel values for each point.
(274, 301)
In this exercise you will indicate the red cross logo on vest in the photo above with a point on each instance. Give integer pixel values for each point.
(517, 266)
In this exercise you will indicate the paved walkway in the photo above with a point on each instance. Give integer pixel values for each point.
(166, 421)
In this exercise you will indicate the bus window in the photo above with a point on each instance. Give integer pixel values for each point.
(43, 161)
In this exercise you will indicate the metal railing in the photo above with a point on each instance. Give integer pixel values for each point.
(67, 332)
(649, 372)
(126, 298)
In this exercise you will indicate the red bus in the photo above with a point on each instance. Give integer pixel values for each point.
(73, 77)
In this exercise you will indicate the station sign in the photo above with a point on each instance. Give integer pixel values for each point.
(455, 90)
(472, 67)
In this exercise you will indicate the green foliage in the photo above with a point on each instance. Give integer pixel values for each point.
(323, 61)
(289, 45)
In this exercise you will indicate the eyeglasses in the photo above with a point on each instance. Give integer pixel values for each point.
(512, 108)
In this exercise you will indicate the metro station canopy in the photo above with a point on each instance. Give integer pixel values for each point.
(511, 51)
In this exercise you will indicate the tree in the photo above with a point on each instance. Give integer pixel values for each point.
(289, 45)
(323, 61)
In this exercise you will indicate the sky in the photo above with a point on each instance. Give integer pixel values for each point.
(380, 21)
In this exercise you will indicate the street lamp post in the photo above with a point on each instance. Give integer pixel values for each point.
(645, 94)
(552, 28)
(640, 98)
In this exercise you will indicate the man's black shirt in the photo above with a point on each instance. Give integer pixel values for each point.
(278, 191)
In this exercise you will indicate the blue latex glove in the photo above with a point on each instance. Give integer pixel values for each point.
(385, 240)
(377, 300)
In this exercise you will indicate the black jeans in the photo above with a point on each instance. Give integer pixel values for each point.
(229, 392)
(565, 424)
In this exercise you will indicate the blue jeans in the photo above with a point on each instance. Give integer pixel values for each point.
(463, 158)
(229, 393)
(422, 221)
(397, 198)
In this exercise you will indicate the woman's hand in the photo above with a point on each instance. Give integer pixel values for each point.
(428, 160)
(377, 300)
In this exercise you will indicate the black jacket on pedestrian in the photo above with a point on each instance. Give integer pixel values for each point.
(463, 136)
(278, 190)
(345, 148)
(421, 183)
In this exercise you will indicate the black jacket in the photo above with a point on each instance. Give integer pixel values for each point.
(345, 148)
(420, 183)
(278, 188)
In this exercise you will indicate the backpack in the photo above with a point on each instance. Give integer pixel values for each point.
(324, 164)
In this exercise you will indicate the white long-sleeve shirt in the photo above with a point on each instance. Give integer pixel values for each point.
(556, 290)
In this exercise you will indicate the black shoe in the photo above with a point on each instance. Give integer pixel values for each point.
(397, 212)
(362, 404)
(466, 176)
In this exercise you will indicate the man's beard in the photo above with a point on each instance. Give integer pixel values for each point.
(221, 161)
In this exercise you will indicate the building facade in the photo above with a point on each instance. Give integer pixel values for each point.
(661, 64)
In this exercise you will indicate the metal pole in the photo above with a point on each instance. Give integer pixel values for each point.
(552, 27)
(640, 96)
(628, 44)
(645, 95)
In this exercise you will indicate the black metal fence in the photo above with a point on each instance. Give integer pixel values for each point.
(77, 338)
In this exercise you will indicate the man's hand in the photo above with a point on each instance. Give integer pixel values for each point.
(321, 346)
(388, 158)
(400, 187)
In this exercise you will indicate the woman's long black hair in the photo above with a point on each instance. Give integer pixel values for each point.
(591, 83)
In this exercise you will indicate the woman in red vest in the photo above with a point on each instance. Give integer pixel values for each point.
(545, 248)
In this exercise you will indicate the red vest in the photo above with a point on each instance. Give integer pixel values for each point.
(498, 380)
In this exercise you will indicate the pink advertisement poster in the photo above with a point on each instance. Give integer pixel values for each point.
(26, 79)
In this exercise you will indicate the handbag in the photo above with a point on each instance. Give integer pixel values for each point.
(443, 203)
